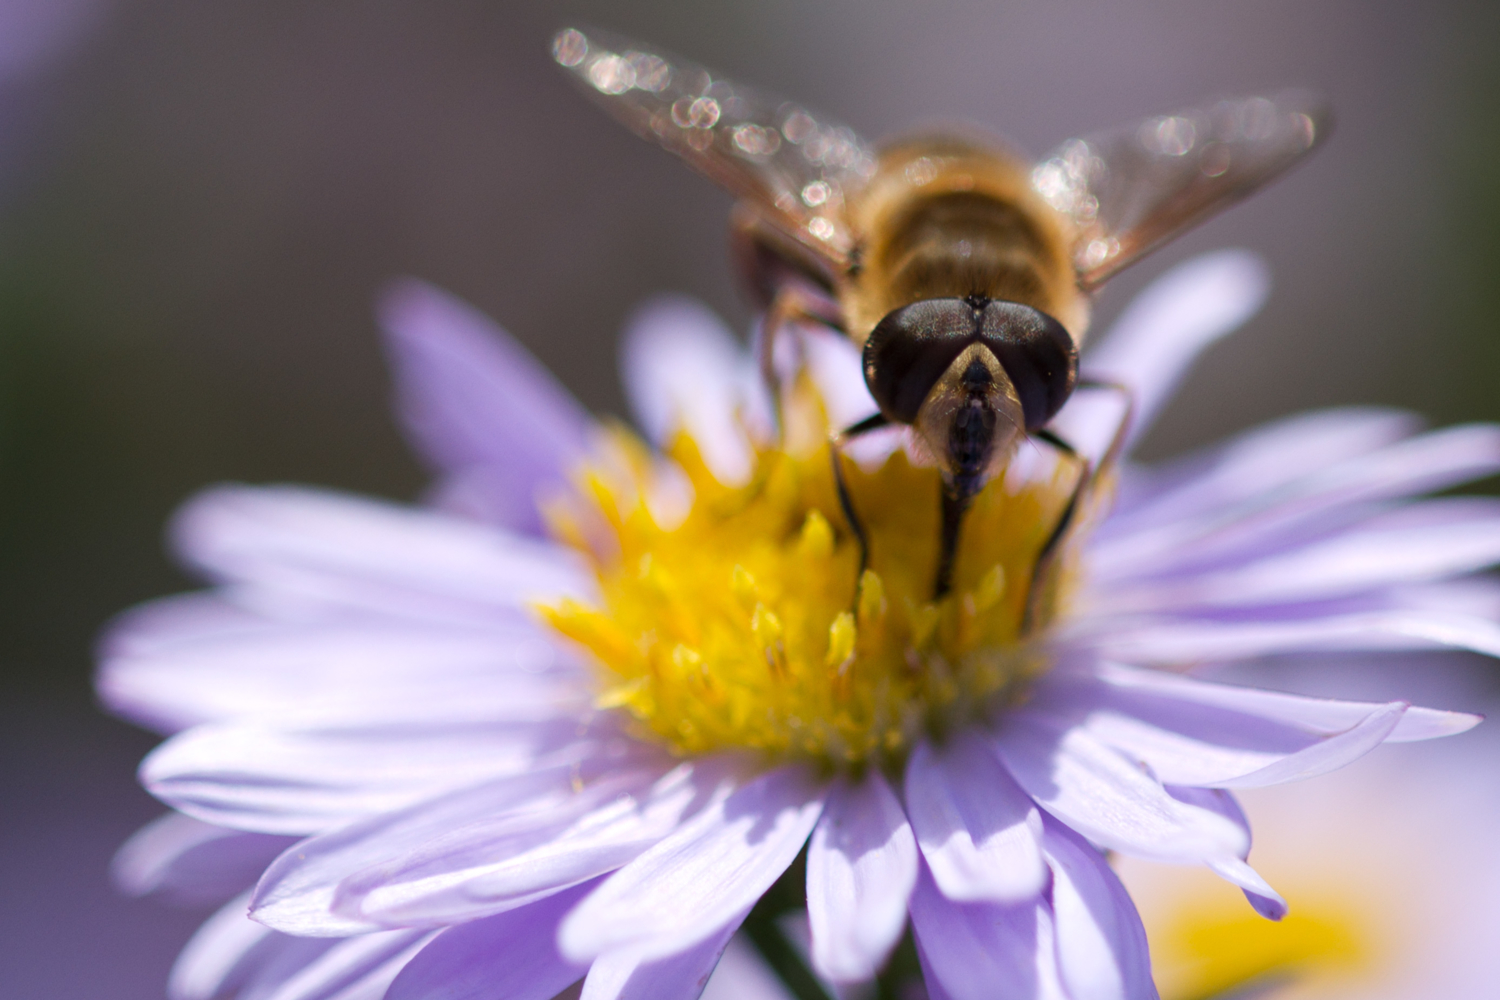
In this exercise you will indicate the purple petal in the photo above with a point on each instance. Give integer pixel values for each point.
(192, 863)
(1106, 798)
(1266, 901)
(683, 976)
(187, 660)
(861, 866)
(969, 950)
(477, 405)
(1313, 715)
(979, 832)
(1428, 541)
(318, 547)
(1163, 330)
(299, 892)
(298, 780)
(473, 872)
(1101, 945)
(684, 371)
(1169, 641)
(512, 955)
(1261, 461)
(1259, 520)
(703, 876)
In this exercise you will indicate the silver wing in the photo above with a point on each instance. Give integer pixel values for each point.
(1129, 189)
(796, 168)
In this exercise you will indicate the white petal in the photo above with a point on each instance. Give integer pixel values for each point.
(322, 547)
(512, 955)
(861, 866)
(193, 863)
(978, 831)
(1106, 798)
(701, 877)
(1163, 330)
(622, 975)
(683, 370)
(477, 405)
(1101, 945)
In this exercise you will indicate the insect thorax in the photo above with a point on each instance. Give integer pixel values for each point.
(945, 218)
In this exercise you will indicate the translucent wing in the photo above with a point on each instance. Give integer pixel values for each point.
(1129, 189)
(795, 167)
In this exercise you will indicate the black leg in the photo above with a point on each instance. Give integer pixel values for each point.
(846, 502)
(1047, 557)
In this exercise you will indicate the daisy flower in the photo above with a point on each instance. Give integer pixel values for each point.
(1424, 928)
(601, 703)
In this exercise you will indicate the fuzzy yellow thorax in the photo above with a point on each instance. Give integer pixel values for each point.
(745, 623)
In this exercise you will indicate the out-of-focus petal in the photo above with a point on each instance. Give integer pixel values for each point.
(356, 968)
(477, 405)
(512, 955)
(191, 862)
(1164, 329)
(1106, 798)
(1101, 945)
(624, 976)
(313, 548)
(861, 866)
(231, 953)
(978, 831)
(684, 371)
(694, 882)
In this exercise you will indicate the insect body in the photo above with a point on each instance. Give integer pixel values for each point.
(962, 271)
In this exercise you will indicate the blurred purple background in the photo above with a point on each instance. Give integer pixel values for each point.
(199, 201)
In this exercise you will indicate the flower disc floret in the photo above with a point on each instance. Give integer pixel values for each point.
(745, 621)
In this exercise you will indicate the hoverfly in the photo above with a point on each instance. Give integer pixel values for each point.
(963, 272)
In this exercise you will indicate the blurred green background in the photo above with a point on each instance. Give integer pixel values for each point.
(198, 203)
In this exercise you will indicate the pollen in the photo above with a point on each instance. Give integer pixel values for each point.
(741, 618)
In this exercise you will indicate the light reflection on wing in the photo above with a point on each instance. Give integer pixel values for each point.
(1129, 189)
(797, 168)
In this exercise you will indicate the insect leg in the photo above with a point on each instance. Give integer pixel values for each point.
(1088, 474)
(846, 502)
(794, 302)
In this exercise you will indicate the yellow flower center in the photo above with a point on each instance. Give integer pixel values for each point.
(745, 622)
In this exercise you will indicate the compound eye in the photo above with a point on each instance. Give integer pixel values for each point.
(911, 348)
(1038, 355)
